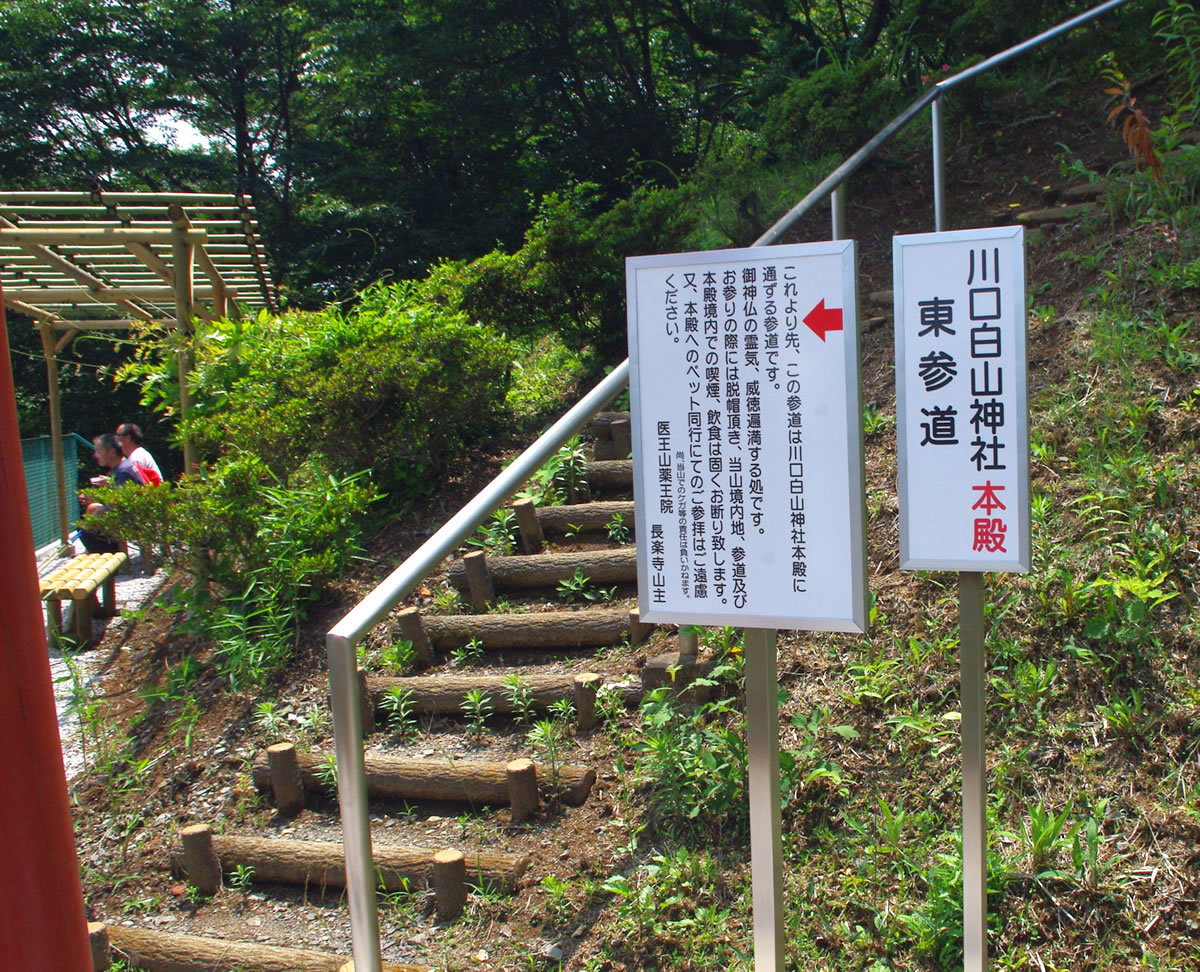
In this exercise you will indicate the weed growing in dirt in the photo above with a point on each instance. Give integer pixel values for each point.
(477, 707)
(399, 705)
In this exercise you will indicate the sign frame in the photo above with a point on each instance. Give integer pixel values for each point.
(850, 616)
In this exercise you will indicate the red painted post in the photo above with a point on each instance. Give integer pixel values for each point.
(42, 921)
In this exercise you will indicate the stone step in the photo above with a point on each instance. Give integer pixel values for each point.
(601, 567)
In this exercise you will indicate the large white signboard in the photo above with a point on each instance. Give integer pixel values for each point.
(962, 428)
(747, 437)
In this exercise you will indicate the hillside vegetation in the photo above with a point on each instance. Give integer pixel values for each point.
(321, 426)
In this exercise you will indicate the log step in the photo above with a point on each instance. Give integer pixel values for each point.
(444, 694)
(463, 781)
(320, 864)
(526, 571)
(611, 435)
(591, 628)
(586, 517)
(1055, 214)
(155, 951)
(610, 474)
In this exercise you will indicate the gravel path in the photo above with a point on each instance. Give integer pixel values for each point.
(133, 589)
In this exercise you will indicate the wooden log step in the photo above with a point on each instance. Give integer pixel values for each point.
(600, 424)
(155, 951)
(586, 517)
(444, 694)
(545, 570)
(610, 474)
(589, 628)
(463, 781)
(320, 864)
(1055, 214)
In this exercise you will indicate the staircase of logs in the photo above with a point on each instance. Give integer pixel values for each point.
(292, 780)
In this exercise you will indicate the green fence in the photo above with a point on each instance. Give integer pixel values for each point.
(38, 457)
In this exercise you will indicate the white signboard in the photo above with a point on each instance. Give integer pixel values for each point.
(962, 428)
(747, 437)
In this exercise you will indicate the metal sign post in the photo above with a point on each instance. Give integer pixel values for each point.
(748, 477)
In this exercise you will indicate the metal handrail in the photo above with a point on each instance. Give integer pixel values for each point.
(342, 639)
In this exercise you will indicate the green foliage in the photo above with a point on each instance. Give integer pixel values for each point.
(468, 655)
(477, 706)
(550, 738)
(835, 109)
(268, 547)
(520, 698)
(617, 529)
(400, 707)
(395, 385)
(499, 535)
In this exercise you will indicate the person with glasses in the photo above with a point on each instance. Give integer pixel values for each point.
(130, 438)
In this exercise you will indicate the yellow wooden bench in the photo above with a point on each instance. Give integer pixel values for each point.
(78, 582)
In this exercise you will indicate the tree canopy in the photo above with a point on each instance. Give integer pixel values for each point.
(377, 137)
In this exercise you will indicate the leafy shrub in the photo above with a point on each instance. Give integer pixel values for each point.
(395, 385)
(836, 108)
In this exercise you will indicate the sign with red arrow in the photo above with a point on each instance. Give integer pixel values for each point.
(747, 437)
(821, 319)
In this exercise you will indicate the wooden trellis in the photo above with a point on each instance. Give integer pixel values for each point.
(88, 261)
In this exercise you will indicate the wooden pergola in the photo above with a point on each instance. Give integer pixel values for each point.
(95, 261)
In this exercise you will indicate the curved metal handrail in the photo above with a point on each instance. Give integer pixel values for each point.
(342, 640)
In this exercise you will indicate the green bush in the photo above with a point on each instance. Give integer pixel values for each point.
(834, 109)
(395, 385)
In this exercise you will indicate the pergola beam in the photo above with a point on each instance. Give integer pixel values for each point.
(84, 237)
(162, 198)
(112, 295)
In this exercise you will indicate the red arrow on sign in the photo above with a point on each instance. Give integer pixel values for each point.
(821, 319)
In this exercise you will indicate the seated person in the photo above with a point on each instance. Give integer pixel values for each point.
(129, 437)
(121, 471)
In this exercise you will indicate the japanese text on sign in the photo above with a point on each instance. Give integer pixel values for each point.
(747, 447)
(961, 421)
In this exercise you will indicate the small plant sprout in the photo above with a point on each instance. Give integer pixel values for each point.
(400, 707)
(577, 587)
(468, 655)
(326, 772)
(549, 736)
(520, 698)
(399, 655)
(242, 879)
(269, 719)
(617, 529)
(477, 706)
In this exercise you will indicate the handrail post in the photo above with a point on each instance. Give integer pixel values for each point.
(837, 211)
(939, 166)
(352, 801)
